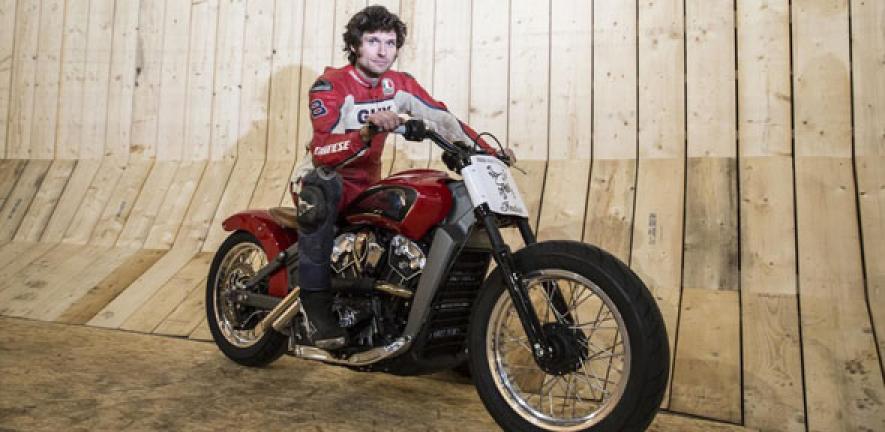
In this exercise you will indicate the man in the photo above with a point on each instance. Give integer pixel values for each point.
(343, 103)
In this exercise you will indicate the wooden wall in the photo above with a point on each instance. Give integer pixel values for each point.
(731, 151)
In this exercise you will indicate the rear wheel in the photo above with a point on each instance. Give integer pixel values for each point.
(232, 324)
(610, 366)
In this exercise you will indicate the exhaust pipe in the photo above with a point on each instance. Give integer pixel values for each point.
(281, 314)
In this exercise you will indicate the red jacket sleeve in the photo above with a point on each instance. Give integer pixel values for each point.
(328, 148)
(438, 113)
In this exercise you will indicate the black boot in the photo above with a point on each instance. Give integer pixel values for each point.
(318, 306)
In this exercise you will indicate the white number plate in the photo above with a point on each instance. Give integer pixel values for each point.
(489, 181)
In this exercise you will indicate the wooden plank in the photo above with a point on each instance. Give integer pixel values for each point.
(36, 284)
(868, 18)
(255, 87)
(609, 220)
(451, 54)
(121, 202)
(7, 39)
(169, 296)
(89, 304)
(46, 79)
(571, 61)
(656, 254)
(67, 292)
(21, 93)
(316, 54)
(71, 198)
(528, 122)
(10, 171)
(73, 75)
(97, 78)
(123, 77)
(147, 206)
(202, 332)
(200, 74)
(175, 205)
(16, 256)
(344, 10)
(188, 315)
(609, 213)
(488, 92)
(173, 101)
(272, 184)
(15, 207)
(45, 201)
(115, 313)
(285, 81)
(207, 198)
(236, 198)
(148, 66)
(706, 376)
(772, 365)
(416, 58)
(843, 377)
(228, 73)
(94, 201)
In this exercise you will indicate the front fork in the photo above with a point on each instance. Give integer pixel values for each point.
(516, 284)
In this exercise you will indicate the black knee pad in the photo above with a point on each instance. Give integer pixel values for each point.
(312, 208)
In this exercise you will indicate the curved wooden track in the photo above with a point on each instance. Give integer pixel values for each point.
(731, 151)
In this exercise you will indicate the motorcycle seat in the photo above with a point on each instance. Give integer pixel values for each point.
(285, 216)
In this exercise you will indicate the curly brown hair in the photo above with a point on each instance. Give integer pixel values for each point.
(371, 19)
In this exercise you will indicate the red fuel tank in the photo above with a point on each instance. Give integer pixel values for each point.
(409, 203)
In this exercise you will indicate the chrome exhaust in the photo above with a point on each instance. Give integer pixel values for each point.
(373, 355)
(281, 314)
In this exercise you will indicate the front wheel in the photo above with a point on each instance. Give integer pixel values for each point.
(611, 360)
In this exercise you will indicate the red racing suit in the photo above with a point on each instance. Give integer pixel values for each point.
(340, 102)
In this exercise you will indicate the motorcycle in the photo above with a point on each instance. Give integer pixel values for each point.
(559, 336)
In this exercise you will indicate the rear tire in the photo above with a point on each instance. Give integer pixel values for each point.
(615, 369)
(238, 258)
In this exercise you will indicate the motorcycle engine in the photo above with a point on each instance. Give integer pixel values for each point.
(378, 317)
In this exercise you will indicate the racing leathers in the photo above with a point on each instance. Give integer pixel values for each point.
(340, 102)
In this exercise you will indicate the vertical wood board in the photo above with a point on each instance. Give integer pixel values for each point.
(21, 197)
(41, 209)
(172, 90)
(228, 74)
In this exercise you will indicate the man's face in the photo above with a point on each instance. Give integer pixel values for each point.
(376, 53)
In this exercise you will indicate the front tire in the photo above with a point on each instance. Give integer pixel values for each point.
(232, 325)
(613, 363)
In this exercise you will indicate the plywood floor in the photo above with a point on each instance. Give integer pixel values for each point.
(68, 377)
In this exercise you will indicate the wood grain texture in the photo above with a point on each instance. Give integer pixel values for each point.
(97, 79)
(195, 226)
(868, 18)
(200, 75)
(609, 222)
(76, 188)
(149, 68)
(98, 296)
(10, 172)
(772, 364)
(123, 77)
(73, 77)
(16, 206)
(121, 202)
(272, 184)
(228, 74)
(172, 101)
(285, 81)
(21, 91)
(7, 43)
(318, 38)
(235, 198)
(153, 311)
(488, 47)
(570, 117)
(94, 201)
(842, 374)
(187, 315)
(175, 205)
(255, 86)
(146, 209)
(46, 80)
(43, 205)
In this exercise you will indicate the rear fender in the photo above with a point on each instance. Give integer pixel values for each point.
(273, 238)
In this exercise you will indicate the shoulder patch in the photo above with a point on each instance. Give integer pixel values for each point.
(317, 108)
(321, 85)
